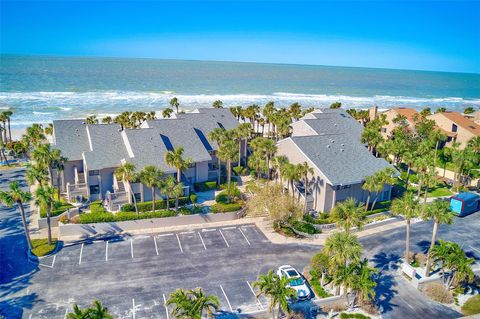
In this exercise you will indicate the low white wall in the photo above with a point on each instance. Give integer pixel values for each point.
(42, 222)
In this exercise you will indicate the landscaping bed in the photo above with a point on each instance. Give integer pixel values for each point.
(205, 186)
(59, 207)
(159, 204)
(42, 248)
(105, 217)
(471, 306)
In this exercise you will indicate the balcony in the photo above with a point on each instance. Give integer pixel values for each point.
(76, 192)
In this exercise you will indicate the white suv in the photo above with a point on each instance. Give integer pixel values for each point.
(296, 281)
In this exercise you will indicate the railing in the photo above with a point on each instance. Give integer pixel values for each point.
(75, 190)
(114, 201)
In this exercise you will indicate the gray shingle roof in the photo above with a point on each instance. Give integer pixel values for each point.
(108, 148)
(342, 159)
(148, 149)
(335, 124)
(70, 138)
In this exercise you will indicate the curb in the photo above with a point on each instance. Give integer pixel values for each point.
(37, 260)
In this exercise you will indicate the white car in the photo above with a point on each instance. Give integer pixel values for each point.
(296, 281)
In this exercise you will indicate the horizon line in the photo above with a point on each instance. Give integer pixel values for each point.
(229, 61)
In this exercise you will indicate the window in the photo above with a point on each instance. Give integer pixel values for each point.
(138, 197)
(454, 127)
(94, 172)
(94, 190)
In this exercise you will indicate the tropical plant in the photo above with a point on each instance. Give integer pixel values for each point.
(190, 304)
(47, 157)
(167, 187)
(227, 152)
(167, 113)
(38, 174)
(97, 311)
(218, 104)
(440, 213)
(320, 263)
(277, 289)
(174, 158)
(174, 103)
(107, 120)
(59, 165)
(151, 177)
(44, 198)
(48, 130)
(348, 214)
(383, 177)
(335, 105)
(92, 119)
(218, 135)
(243, 132)
(126, 173)
(456, 266)
(468, 110)
(408, 207)
(16, 195)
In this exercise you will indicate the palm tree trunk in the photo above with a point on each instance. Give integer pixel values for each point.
(368, 201)
(239, 153)
(245, 151)
(426, 193)
(25, 226)
(168, 202)
(435, 155)
(49, 228)
(153, 197)
(432, 244)
(9, 131)
(179, 178)
(2, 150)
(229, 174)
(375, 200)
(219, 171)
(419, 190)
(133, 196)
(58, 185)
(407, 242)
(305, 192)
(268, 167)
(408, 176)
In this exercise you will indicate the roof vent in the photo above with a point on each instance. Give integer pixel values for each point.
(328, 146)
(342, 150)
(342, 144)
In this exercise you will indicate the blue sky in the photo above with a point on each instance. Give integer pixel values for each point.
(424, 35)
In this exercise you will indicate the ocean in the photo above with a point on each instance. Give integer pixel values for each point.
(39, 89)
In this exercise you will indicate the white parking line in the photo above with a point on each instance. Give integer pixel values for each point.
(179, 244)
(248, 242)
(249, 226)
(106, 251)
(163, 235)
(131, 246)
(226, 242)
(228, 301)
(53, 262)
(186, 232)
(253, 292)
(203, 243)
(209, 229)
(66, 312)
(30, 317)
(231, 227)
(81, 252)
(165, 305)
(133, 308)
(155, 241)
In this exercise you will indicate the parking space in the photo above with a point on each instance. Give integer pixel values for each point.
(48, 311)
(241, 296)
(168, 244)
(235, 237)
(192, 242)
(93, 252)
(214, 239)
(145, 247)
(68, 256)
(119, 249)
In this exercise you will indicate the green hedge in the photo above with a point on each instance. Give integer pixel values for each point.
(193, 198)
(159, 204)
(41, 246)
(225, 208)
(106, 217)
(59, 208)
(305, 227)
(222, 196)
(321, 220)
(345, 315)
(472, 306)
(205, 186)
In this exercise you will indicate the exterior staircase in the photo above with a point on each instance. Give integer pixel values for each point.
(121, 187)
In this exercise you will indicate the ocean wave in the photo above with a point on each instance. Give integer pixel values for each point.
(47, 106)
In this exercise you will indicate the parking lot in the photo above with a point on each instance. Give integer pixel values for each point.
(134, 275)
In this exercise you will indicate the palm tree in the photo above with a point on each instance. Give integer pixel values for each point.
(217, 104)
(190, 304)
(370, 185)
(348, 214)
(290, 173)
(8, 115)
(277, 290)
(59, 165)
(167, 187)
(37, 174)
(48, 130)
(3, 119)
(440, 212)
(295, 111)
(150, 176)
(18, 196)
(47, 157)
(126, 173)
(278, 162)
(408, 207)
(362, 282)
(243, 132)
(44, 198)
(174, 103)
(167, 113)
(95, 312)
(107, 120)
(304, 170)
(321, 264)
(218, 135)
(227, 152)
(456, 266)
(34, 135)
(474, 144)
(92, 119)
(269, 149)
(385, 176)
(174, 158)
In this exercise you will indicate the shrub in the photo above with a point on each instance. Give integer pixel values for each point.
(222, 196)
(159, 204)
(205, 186)
(58, 208)
(345, 315)
(41, 246)
(106, 217)
(96, 207)
(322, 219)
(241, 171)
(421, 258)
(63, 219)
(471, 306)
(304, 227)
(316, 286)
(193, 197)
(225, 208)
(438, 292)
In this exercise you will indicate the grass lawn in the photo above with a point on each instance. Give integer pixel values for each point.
(41, 246)
(472, 306)
(439, 191)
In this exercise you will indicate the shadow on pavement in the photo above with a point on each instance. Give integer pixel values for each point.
(385, 292)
